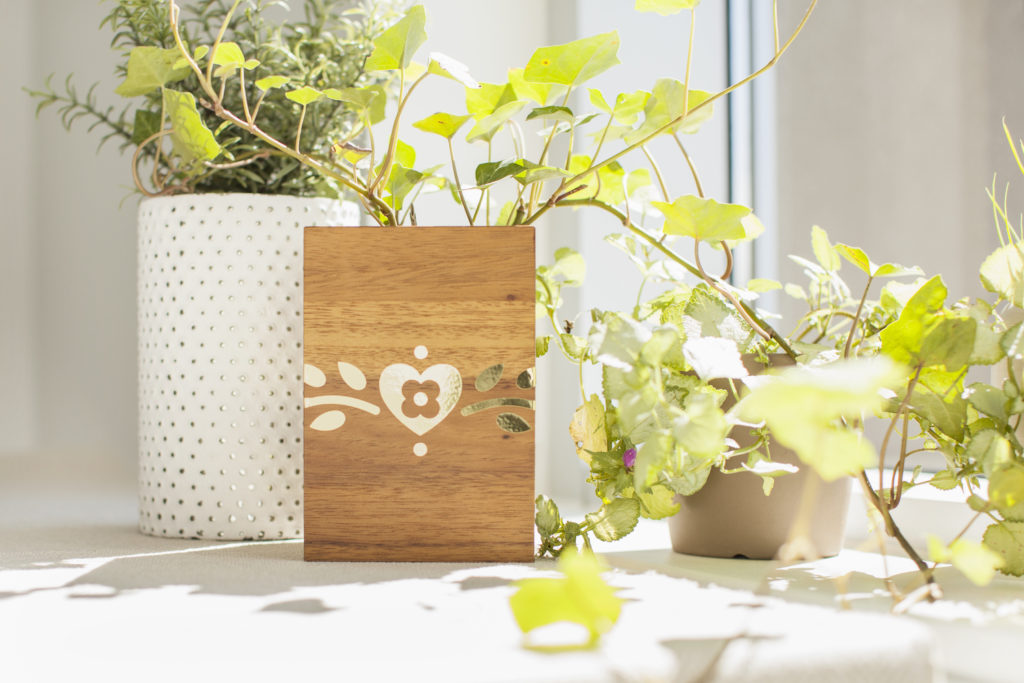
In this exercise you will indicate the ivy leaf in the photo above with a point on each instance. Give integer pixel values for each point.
(665, 7)
(902, 340)
(487, 127)
(552, 112)
(493, 171)
(588, 429)
(1006, 492)
(548, 520)
(488, 98)
(666, 104)
(445, 125)
(445, 66)
(396, 47)
(977, 562)
(703, 219)
(659, 503)
(802, 405)
(1007, 539)
(372, 101)
(573, 63)
(714, 358)
(541, 345)
(857, 257)
(823, 250)
(580, 596)
(627, 105)
(228, 54)
(1002, 273)
(535, 92)
(615, 519)
(147, 124)
(191, 139)
(150, 68)
(304, 95)
(991, 450)
(605, 184)
(271, 82)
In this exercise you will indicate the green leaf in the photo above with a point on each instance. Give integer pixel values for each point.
(535, 92)
(445, 66)
(486, 128)
(988, 400)
(1006, 492)
(604, 185)
(949, 343)
(1002, 273)
(948, 413)
(579, 597)
(666, 105)
(703, 219)
(445, 125)
(823, 250)
(570, 268)
(665, 7)
(271, 82)
(762, 285)
(488, 98)
(659, 503)
(191, 139)
(396, 47)
(977, 562)
(228, 54)
(552, 112)
(700, 431)
(573, 63)
(615, 519)
(304, 95)
(150, 68)
(1007, 539)
(493, 171)
(548, 521)
(714, 358)
(541, 345)
(147, 124)
(588, 429)
(991, 450)
(802, 405)
(371, 100)
(902, 340)
(857, 257)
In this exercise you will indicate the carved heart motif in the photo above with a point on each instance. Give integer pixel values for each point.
(394, 378)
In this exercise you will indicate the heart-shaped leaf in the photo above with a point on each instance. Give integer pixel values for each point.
(703, 219)
(191, 139)
(443, 65)
(396, 47)
(573, 63)
(150, 68)
(445, 125)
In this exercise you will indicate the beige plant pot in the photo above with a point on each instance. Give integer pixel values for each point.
(731, 517)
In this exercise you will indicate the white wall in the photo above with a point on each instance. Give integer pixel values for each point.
(889, 125)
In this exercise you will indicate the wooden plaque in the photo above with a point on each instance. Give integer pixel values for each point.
(419, 355)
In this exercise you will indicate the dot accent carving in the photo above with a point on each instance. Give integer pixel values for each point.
(220, 363)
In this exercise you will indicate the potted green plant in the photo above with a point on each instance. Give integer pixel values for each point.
(219, 255)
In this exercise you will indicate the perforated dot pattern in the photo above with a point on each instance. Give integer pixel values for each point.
(220, 363)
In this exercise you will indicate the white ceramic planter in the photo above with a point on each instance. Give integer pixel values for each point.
(220, 363)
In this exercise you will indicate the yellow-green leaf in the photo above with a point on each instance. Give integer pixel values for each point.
(1006, 492)
(150, 68)
(191, 139)
(304, 95)
(271, 82)
(580, 596)
(1007, 539)
(823, 251)
(703, 219)
(1002, 273)
(396, 47)
(659, 503)
(536, 92)
(445, 125)
(228, 54)
(615, 519)
(978, 563)
(573, 63)
(445, 66)
(664, 110)
(588, 429)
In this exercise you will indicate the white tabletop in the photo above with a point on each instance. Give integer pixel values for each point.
(83, 594)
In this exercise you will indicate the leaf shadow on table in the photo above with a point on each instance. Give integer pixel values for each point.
(108, 562)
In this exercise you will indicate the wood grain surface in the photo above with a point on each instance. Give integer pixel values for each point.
(376, 298)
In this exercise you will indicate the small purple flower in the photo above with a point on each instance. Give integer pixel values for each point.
(629, 458)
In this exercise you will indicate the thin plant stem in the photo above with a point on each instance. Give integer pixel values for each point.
(458, 183)
(657, 173)
(689, 163)
(856, 317)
